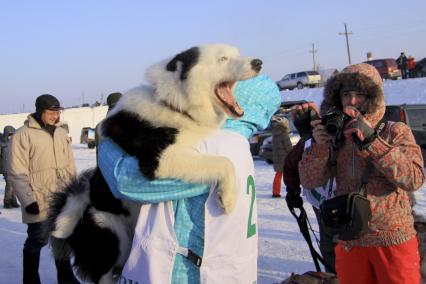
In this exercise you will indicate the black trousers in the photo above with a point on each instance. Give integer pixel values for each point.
(327, 244)
(37, 237)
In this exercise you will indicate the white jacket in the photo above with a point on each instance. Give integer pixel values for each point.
(230, 245)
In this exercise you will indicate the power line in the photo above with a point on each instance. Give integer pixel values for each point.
(347, 41)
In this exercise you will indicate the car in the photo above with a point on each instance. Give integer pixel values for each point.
(265, 151)
(414, 115)
(387, 67)
(299, 80)
(420, 68)
(257, 138)
(88, 137)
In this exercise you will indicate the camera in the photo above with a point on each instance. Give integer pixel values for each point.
(334, 121)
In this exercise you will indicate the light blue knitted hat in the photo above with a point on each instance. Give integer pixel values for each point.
(260, 99)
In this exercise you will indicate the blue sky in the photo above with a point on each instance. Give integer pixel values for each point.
(79, 50)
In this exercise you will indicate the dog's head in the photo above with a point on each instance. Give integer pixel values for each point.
(200, 81)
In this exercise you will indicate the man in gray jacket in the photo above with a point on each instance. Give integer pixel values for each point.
(40, 164)
(9, 200)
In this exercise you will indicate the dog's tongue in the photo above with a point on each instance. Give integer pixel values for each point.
(224, 93)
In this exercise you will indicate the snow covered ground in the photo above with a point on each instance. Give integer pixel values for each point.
(282, 249)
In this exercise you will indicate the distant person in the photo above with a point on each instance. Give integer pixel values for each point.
(411, 67)
(112, 100)
(281, 146)
(9, 200)
(41, 163)
(402, 65)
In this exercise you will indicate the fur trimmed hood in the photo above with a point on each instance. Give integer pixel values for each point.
(360, 77)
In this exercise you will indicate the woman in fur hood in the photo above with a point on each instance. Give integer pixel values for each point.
(388, 253)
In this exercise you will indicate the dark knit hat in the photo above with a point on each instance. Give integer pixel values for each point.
(9, 130)
(45, 102)
(112, 99)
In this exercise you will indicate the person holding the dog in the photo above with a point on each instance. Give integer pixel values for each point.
(41, 162)
(379, 157)
(112, 100)
(183, 224)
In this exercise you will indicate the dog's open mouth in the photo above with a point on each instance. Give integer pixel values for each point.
(224, 92)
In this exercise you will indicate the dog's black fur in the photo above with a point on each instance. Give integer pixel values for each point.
(188, 59)
(139, 138)
(88, 242)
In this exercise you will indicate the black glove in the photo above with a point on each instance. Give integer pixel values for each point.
(293, 199)
(302, 122)
(33, 208)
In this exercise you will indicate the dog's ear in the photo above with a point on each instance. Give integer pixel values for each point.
(188, 58)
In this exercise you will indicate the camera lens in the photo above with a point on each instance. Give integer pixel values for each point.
(331, 129)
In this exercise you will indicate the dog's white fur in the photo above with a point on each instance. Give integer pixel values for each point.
(195, 96)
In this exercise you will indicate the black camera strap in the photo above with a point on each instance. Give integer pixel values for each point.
(302, 222)
(333, 169)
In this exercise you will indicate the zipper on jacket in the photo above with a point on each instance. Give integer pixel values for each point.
(353, 160)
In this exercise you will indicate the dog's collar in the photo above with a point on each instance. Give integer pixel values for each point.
(177, 110)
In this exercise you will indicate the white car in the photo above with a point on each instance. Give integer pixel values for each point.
(299, 80)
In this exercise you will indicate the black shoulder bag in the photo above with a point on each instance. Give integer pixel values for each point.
(348, 215)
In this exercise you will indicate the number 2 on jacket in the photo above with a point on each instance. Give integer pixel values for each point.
(251, 228)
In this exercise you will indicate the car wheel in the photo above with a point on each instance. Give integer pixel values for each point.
(91, 144)
(269, 161)
(299, 85)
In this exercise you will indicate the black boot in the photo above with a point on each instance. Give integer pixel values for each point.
(65, 273)
(31, 262)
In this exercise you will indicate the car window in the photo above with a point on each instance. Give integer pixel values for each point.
(391, 63)
(301, 74)
(379, 64)
(312, 73)
(417, 117)
(293, 76)
(286, 77)
(371, 63)
(392, 114)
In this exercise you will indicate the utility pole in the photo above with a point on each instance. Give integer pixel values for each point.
(82, 98)
(347, 41)
(313, 51)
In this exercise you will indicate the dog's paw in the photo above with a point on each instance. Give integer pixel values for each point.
(227, 199)
(227, 192)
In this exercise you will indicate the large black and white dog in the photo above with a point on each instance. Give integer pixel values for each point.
(189, 97)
